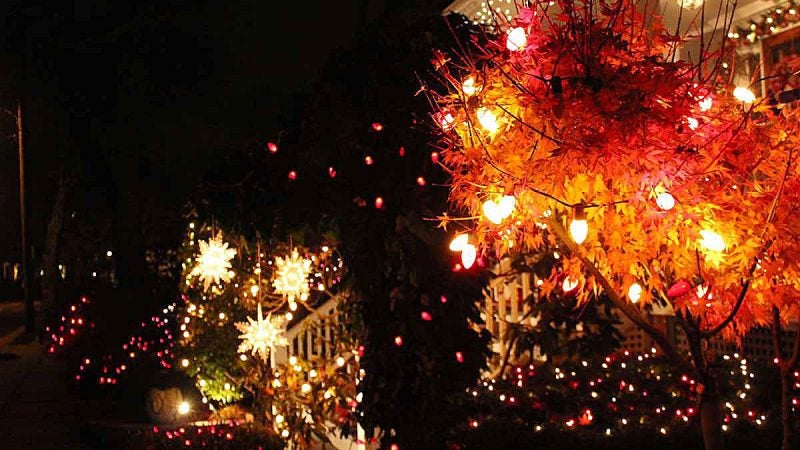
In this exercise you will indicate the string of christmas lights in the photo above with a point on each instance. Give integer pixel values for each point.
(155, 339)
(70, 325)
(771, 21)
(620, 392)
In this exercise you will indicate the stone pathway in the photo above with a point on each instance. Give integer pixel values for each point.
(37, 409)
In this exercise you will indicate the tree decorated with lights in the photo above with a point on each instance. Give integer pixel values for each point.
(240, 296)
(578, 127)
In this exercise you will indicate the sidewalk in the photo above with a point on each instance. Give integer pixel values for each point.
(37, 410)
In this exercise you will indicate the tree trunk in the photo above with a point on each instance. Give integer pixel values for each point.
(710, 410)
(52, 245)
(786, 410)
(711, 420)
(785, 366)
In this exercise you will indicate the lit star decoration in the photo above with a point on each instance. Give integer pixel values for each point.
(291, 277)
(262, 335)
(214, 262)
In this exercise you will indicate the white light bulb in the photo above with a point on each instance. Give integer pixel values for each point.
(689, 4)
(468, 255)
(711, 240)
(665, 201)
(506, 205)
(184, 408)
(569, 285)
(492, 212)
(744, 95)
(516, 39)
(635, 292)
(578, 229)
(458, 243)
(469, 87)
(487, 119)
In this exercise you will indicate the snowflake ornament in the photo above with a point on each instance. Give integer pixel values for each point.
(262, 335)
(291, 279)
(214, 262)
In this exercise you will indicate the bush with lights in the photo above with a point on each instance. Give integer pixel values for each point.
(622, 394)
(239, 298)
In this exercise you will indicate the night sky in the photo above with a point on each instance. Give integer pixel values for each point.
(151, 92)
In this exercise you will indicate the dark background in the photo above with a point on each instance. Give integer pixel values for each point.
(140, 99)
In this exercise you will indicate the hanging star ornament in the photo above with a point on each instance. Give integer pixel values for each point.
(291, 279)
(262, 335)
(214, 262)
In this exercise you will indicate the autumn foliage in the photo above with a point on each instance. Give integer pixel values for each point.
(583, 105)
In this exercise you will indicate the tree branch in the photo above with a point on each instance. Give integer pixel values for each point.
(792, 363)
(630, 311)
(776, 336)
(714, 331)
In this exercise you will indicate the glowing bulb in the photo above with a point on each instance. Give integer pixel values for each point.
(496, 212)
(506, 205)
(744, 95)
(459, 242)
(446, 120)
(569, 285)
(690, 4)
(516, 39)
(635, 292)
(469, 87)
(488, 120)
(184, 408)
(711, 240)
(279, 418)
(578, 229)
(665, 201)
(185, 362)
(468, 255)
(492, 212)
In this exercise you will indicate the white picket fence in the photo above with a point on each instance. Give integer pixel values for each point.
(314, 337)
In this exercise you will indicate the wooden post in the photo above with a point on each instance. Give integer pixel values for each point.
(30, 323)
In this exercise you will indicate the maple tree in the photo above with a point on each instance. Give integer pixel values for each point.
(675, 187)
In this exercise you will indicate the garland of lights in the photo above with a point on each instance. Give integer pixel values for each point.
(770, 22)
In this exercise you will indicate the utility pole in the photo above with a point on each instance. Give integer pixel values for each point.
(30, 324)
